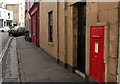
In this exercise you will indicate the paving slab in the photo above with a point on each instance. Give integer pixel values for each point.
(37, 66)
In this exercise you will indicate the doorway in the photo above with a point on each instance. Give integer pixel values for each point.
(34, 13)
(81, 37)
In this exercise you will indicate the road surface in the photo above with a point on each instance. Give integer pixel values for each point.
(3, 40)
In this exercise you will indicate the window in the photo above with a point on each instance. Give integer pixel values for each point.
(8, 15)
(0, 14)
(50, 26)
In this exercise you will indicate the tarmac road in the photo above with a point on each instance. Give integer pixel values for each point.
(10, 64)
(3, 40)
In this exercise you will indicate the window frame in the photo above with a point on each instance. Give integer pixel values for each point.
(50, 26)
(0, 14)
(8, 15)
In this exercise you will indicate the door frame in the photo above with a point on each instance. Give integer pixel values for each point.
(34, 11)
(75, 38)
(80, 30)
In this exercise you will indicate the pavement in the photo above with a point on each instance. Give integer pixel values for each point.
(25, 63)
(37, 66)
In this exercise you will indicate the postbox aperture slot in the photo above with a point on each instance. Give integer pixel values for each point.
(96, 37)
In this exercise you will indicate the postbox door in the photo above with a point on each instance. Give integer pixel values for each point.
(96, 53)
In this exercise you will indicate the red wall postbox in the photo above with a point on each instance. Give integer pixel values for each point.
(96, 53)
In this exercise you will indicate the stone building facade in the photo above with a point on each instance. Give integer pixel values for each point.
(65, 30)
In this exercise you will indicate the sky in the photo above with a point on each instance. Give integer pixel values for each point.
(15, 1)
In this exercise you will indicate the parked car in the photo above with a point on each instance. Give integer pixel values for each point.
(13, 32)
(17, 31)
(11, 27)
(21, 31)
(4, 29)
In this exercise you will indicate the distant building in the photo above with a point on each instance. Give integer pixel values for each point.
(3, 4)
(27, 16)
(6, 17)
(32, 19)
(18, 14)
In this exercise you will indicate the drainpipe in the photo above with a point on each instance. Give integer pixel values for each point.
(57, 31)
(65, 33)
(118, 66)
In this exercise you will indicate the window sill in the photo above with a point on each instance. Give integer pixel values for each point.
(50, 43)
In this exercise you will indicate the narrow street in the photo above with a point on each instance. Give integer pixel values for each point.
(59, 41)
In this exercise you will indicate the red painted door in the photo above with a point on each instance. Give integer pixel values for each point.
(37, 28)
(33, 27)
(34, 13)
(96, 53)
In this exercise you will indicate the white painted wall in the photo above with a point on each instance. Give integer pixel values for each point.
(11, 15)
(3, 13)
(22, 15)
